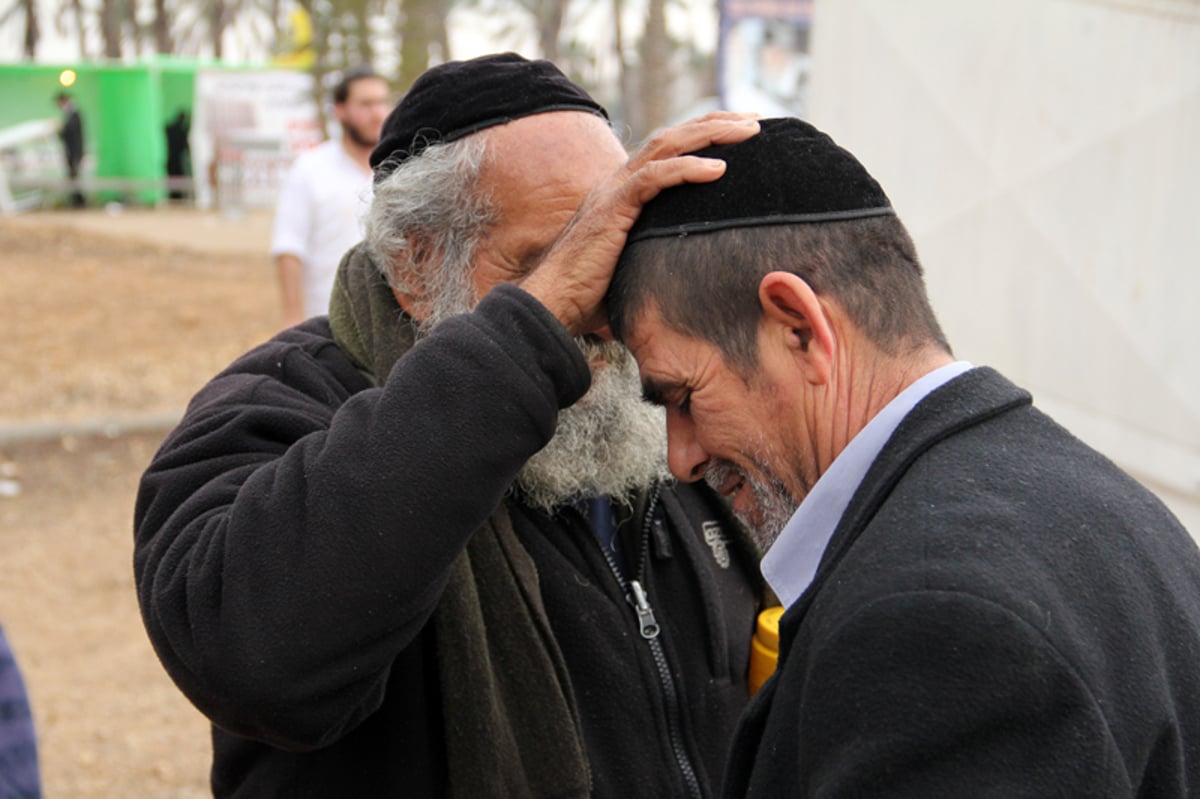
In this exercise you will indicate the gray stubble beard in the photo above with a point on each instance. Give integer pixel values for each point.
(772, 499)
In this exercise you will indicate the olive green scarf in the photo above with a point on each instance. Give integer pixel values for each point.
(510, 720)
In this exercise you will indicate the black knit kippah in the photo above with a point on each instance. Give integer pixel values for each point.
(458, 98)
(788, 173)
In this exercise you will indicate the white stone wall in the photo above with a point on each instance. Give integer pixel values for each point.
(1044, 156)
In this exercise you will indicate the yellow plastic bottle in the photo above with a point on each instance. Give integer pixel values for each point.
(764, 648)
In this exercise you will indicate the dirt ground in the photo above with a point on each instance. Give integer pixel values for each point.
(108, 323)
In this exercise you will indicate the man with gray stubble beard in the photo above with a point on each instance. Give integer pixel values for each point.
(427, 546)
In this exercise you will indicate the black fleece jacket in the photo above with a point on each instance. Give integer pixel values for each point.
(294, 533)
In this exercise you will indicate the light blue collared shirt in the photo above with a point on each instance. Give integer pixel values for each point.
(791, 563)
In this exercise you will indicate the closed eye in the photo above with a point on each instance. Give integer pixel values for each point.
(664, 395)
(652, 393)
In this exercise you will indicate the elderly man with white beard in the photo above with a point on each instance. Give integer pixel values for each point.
(428, 545)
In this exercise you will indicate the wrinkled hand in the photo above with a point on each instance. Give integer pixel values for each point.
(574, 274)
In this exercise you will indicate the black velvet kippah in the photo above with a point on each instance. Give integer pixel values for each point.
(788, 173)
(458, 98)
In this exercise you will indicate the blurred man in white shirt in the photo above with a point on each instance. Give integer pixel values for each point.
(325, 196)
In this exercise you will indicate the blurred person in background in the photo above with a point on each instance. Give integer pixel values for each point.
(178, 151)
(71, 135)
(978, 603)
(19, 776)
(325, 196)
(426, 546)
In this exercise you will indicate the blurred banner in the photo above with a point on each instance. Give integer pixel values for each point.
(762, 56)
(247, 126)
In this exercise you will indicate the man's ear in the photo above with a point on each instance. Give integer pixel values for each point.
(794, 315)
(410, 306)
(420, 251)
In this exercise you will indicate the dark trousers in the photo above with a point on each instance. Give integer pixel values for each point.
(77, 199)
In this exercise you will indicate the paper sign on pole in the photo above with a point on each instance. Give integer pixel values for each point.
(247, 128)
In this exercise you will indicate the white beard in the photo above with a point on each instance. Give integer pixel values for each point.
(610, 442)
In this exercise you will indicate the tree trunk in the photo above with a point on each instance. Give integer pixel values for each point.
(550, 15)
(110, 28)
(216, 25)
(80, 29)
(129, 12)
(365, 52)
(440, 35)
(655, 78)
(162, 29)
(415, 37)
(320, 65)
(33, 31)
(630, 108)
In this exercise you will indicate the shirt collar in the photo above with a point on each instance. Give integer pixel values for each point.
(791, 563)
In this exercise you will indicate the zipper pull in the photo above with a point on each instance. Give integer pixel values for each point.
(644, 613)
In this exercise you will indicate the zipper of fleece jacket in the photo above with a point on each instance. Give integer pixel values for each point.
(648, 625)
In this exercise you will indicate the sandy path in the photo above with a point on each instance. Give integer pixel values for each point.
(106, 318)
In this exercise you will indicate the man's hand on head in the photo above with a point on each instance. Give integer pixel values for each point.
(574, 274)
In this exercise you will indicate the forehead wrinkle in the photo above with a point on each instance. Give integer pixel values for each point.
(524, 146)
(537, 171)
(661, 374)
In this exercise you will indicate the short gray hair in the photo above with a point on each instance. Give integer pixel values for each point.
(706, 285)
(425, 223)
